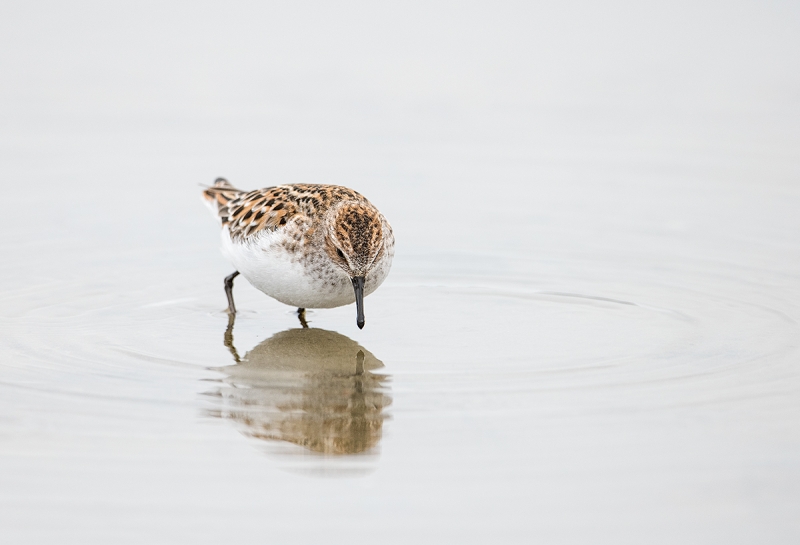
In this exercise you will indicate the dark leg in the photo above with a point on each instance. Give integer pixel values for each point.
(301, 314)
(229, 291)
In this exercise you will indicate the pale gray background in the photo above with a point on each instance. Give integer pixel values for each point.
(591, 331)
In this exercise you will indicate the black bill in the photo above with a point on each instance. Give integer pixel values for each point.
(358, 287)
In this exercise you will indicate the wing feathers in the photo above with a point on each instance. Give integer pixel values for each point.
(246, 213)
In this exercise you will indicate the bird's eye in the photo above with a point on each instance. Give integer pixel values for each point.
(339, 253)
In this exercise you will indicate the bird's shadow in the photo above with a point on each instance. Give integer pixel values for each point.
(306, 386)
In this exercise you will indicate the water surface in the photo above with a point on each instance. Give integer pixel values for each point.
(590, 333)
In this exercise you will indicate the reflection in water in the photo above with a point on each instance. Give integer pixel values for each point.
(310, 387)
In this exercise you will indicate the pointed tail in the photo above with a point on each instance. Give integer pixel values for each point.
(219, 195)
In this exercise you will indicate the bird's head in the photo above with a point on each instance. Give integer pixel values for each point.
(354, 242)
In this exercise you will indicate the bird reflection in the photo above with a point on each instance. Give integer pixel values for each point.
(307, 386)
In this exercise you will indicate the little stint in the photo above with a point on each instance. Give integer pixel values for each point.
(306, 245)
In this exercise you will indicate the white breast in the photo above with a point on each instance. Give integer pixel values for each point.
(310, 282)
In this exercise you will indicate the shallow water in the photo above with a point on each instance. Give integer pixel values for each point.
(590, 333)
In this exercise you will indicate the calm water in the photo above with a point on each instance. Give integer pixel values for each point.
(591, 333)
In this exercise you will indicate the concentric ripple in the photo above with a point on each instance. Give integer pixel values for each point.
(547, 338)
